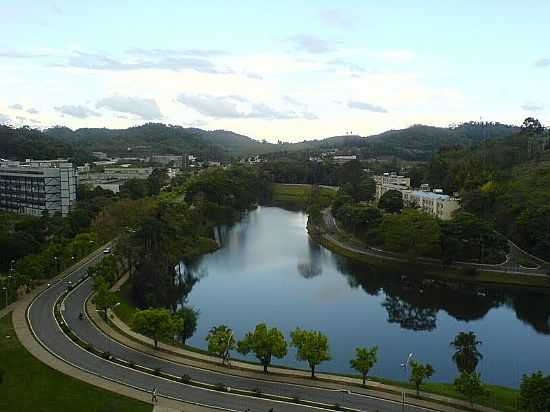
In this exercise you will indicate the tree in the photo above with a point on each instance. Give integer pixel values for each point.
(420, 373)
(156, 324)
(366, 190)
(104, 298)
(391, 201)
(469, 384)
(411, 232)
(189, 317)
(265, 342)
(534, 393)
(466, 355)
(365, 358)
(220, 341)
(312, 347)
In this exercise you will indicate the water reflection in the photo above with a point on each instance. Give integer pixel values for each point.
(268, 270)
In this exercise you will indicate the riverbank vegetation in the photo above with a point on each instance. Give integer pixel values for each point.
(505, 182)
(28, 385)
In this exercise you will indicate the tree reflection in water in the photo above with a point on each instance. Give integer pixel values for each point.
(312, 267)
(413, 301)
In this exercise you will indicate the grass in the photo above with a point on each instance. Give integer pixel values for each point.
(498, 397)
(30, 386)
(286, 192)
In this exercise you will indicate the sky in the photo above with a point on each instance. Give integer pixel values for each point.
(279, 70)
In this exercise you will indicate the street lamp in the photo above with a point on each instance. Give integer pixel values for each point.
(404, 365)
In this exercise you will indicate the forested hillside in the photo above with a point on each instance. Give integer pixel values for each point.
(506, 181)
(414, 143)
(26, 143)
(417, 142)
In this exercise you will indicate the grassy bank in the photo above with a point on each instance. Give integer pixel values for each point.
(300, 193)
(29, 385)
(447, 273)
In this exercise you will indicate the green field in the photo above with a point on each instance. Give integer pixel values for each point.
(300, 193)
(30, 386)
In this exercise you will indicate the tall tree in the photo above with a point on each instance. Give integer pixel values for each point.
(104, 299)
(265, 342)
(156, 324)
(221, 341)
(469, 384)
(312, 347)
(466, 355)
(419, 374)
(189, 318)
(365, 359)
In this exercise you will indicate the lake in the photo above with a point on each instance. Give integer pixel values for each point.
(269, 270)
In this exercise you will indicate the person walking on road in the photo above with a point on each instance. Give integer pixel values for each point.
(154, 394)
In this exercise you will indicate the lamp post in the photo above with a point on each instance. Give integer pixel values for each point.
(405, 365)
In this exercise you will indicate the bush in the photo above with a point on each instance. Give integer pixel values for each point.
(106, 355)
(185, 379)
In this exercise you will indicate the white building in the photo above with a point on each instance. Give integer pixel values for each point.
(168, 160)
(36, 186)
(434, 203)
(344, 159)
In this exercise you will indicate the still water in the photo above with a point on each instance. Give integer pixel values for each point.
(268, 270)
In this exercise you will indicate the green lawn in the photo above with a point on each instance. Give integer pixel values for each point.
(30, 386)
(282, 192)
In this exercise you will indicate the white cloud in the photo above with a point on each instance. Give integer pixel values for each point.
(544, 62)
(366, 106)
(98, 61)
(310, 43)
(32, 110)
(232, 107)
(16, 106)
(147, 109)
(79, 111)
(530, 107)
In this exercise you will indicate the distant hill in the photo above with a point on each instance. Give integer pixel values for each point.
(157, 138)
(417, 142)
(414, 143)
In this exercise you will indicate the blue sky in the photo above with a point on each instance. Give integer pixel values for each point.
(284, 70)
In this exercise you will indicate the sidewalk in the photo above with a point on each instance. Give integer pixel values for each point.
(123, 334)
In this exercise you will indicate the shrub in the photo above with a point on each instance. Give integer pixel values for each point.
(185, 379)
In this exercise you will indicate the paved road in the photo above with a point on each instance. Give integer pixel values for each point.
(41, 319)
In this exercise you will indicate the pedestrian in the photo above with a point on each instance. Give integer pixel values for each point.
(154, 397)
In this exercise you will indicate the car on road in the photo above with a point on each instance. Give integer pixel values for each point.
(107, 250)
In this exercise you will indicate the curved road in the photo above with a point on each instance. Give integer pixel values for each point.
(44, 326)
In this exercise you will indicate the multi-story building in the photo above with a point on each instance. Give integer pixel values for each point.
(435, 203)
(168, 160)
(33, 187)
(391, 181)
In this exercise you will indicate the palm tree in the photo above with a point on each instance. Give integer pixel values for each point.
(466, 355)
